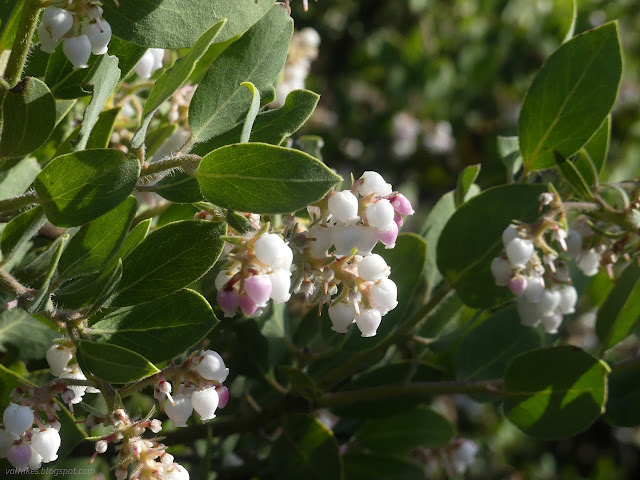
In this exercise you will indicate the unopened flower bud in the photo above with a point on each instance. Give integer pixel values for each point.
(19, 455)
(372, 268)
(269, 248)
(380, 214)
(17, 419)
(248, 306)
(518, 284)
(372, 183)
(509, 234)
(101, 446)
(388, 236)
(228, 301)
(519, 252)
(212, 367)
(343, 207)
(402, 205)
(384, 295)
(546, 198)
(258, 287)
(223, 396)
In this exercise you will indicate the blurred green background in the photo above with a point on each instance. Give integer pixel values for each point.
(419, 89)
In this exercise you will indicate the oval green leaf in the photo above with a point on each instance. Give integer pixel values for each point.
(555, 392)
(570, 97)
(20, 230)
(169, 259)
(112, 363)
(29, 112)
(473, 237)
(261, 178)
(75, 188)
(158, 330)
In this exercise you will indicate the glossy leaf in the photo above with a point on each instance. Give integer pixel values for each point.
(465, 181)
(400, 433)
(29, 338)
(272, 126)
(262, 178)
(592, 156)
(75, 188)
(102, 78)
(112, 363)
(573, 177)
(173, 78)
(169, 259)
(220, 101)
(570, 96)
(549, 402)
(39, 303)
(467, 264)
(486, 351)
(29, 112)
(99, 137)
(158, 330)
(97, 241)
(306, 449)
(179, 187)
(20, 230)
(619, 315)
(176, 24)
(109, 289)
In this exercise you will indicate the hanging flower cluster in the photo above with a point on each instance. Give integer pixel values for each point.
(58, 356)
(199, 388)
(150, 62)
(82, 31)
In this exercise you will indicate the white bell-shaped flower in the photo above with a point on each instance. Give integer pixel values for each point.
(589, 262)
(320, 239)
(343, 207)
(58, 358)
(180, 411)
(77, 50)
(57, 21)
(367, 239)
(280, 286)
(269, 248)
(342, 315)
(46, 442)
(574, 243)
(36, 460)
(19, 455)
(373, 183)
(17, 419)
(568, 299)
(372, 268)
(174, 471)
(99, 36)
(284, 260)
(205, 402)
(502, 271)
(519, 252)
(535, 287)
(75, 373)
(258, 287)
(158, 57)
(144, 67)
(344, 238)
(380, 214)
(384, 295)
(368, 321)
(6, 440)
(528, 312)
(509, 234)
(212, 367)
(550, 323)
(548, 302)
(47, 43)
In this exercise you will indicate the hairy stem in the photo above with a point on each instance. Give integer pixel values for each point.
(10, 281)
(186, 162)
(15, 203)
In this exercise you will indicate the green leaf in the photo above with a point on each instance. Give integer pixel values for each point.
(63, 107)
(593, 154)
(103, 77)
(20, 230)
(179, 187)
(623, 398)
(173, 78)
(65, 81)
(252, 113)
(169, 259)
(100, 135)
(75, 188)
(366, 466)
(270, 127)
(97, 241)
(16, 176)
(9, 17)
(158, 136)
(301, 384)
(103, 300)
(41, 300)
(261, 178)
(465, 181)
(431, 231)
(573, 177)
(29, 113)
(112, 363)
(487, 350)
(27, 336)
(570, 96)
(400, 433)
(467, 264)
(158, 330)
(306, 449)
(128, 54)
(619, 315)
(220, 102)
(549, 402)
(177, 24)
(572, 26)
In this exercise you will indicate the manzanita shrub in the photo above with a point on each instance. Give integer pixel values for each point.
(189, 268)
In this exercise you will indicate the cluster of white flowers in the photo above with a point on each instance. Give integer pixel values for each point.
(257, 268)
(338, 252)
(24, 446)
(202, 389)
(58, 357)
(150, 62)
(82, 32)
(303, 49)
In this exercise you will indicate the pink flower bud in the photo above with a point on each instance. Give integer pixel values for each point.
(258, 287)
(402, 205)
(229, 301)
(247, 305)
(223, 395)
(518, 285)
(399, 219)
(389, 235)
(19, 455)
